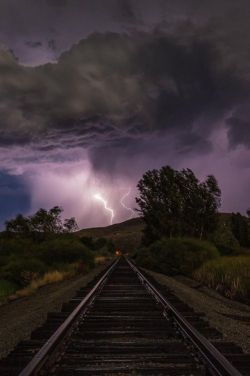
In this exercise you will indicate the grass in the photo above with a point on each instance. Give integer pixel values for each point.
(6, 288)
(228, 275)
(46, 279)
(100, 260)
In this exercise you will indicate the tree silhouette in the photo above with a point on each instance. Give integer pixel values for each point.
(43, 221)
(176, 203)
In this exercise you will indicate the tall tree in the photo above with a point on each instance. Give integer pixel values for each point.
(175, 203)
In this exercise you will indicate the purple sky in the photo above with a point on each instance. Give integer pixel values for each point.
(94, 93)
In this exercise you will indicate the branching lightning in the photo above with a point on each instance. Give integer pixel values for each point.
(132, 212)
(105, 204)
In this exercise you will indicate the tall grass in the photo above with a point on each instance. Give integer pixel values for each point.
(228, 275)
(46, 279)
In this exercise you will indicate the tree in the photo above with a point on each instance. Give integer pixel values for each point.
(70, 225)
(43, 221)
(47, 221)
(240, 229)
(175, 203)
(248, 212)
(20, 225)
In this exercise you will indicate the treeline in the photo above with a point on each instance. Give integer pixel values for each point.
(44, 222)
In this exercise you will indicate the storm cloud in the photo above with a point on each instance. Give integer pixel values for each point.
(113, 88)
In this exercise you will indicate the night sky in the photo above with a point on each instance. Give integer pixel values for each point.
(95, 92)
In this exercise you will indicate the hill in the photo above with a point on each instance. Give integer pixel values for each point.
(125, 235)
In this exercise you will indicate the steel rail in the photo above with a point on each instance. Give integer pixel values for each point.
(47, 349)
(212, 358)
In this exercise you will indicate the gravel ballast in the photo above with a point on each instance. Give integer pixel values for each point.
(20, 317)
(231, 318)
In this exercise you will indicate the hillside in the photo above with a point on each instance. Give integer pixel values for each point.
(125, 235)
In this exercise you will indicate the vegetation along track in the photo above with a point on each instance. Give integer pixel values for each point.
(124, 323)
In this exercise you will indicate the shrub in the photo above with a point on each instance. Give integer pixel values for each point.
(46, 279)
(23, 270)
(17, 246)
(87, 241)
(177, 255)
(145, 258)
(228, 275)
(7, 288)
(65, 250)
(98, 244)
(224, 239)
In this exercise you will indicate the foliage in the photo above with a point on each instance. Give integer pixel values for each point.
(7, 288)
(228, 275)
(88, 241)
(65, 251)
(224, 238)
(240, 229)
(174, 203)
(23, 260)
(43, 221)
(46, 279)
(176, 255)
(99, 244)
(22, 270)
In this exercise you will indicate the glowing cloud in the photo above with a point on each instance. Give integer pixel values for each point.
(132, 212)
(97, 196)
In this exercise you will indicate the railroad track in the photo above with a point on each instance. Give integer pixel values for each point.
(124, 323)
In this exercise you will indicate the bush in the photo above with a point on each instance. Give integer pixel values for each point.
(228, 275)
(22, 270)
(98, 244)
(65, 251)
(176, 255)
(88, 242)
(17, 246)
(224, 239)
(7, 288)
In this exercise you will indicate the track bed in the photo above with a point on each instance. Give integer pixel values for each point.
(121, 330)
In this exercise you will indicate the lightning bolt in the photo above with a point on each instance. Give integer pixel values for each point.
(105, 204)
(132, 212)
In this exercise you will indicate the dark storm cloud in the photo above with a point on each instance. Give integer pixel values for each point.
(34, 44)
(127, 14)
(120, 85)
(67, 22)
(58, 3)
(52, 44)
(239, 126)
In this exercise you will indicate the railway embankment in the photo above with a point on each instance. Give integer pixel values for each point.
(230, 317)
(20, 317)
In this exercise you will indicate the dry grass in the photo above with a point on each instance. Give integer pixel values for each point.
(228, 275)
(100, 260)
(46, 279)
